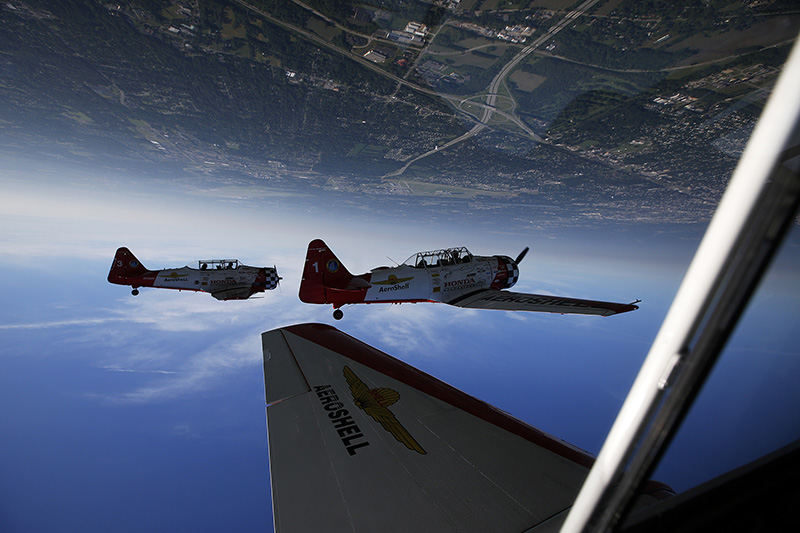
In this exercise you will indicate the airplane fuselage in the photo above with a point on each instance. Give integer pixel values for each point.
(408, 283)
(452, 275)
(224, 280)
(437, 283)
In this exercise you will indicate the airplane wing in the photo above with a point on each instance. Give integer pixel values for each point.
(360, 441)
(232, 293)
(518, 301)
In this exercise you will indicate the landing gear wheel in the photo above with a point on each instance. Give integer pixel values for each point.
(135, 292)
(338, 314)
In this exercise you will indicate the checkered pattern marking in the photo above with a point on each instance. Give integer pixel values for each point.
(272, 278)
(513, 273)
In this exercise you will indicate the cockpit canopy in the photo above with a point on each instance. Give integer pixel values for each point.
(218, 264)
(448, 256)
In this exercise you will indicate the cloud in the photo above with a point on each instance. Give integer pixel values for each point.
(62, 323)
(423, 330)
(136, 370)
(200, 371)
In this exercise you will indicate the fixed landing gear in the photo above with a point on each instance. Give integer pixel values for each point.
(135, 292)
(338, 314)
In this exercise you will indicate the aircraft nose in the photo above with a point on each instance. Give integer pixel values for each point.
(513, 271)
(507, 273)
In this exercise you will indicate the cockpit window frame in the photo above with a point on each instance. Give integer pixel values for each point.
(437, 258)
(218, 264)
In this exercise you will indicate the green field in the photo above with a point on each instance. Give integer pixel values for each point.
(323, 29)
(426, 188)
(723, 44)
(470, 60)
(360, 149)
(232, 29)
(526, 81)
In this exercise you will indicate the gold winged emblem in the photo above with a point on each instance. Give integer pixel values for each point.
(374, 402)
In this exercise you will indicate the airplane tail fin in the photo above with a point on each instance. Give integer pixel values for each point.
(322, 270)
(125, 266)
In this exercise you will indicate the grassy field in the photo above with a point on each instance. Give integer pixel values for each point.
(472, 108)
(472, 42)
(723, 44)
(559, 5)
(366, 149)
(526, 81)
(470, 60)
(607, 7)
(232, 30)
(504, 100)
(489, 5)
(324, 30)
(426, 188)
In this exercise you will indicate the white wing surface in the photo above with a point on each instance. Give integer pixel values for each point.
(360, 441)
(518, 301)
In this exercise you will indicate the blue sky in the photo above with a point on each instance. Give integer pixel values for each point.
(141, 413)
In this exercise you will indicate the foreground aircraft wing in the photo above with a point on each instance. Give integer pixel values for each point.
(518, 301)
(360, 441)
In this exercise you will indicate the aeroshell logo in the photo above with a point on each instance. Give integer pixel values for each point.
(333, 266)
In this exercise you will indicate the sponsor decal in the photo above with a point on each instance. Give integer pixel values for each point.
(333, 266)
(175, 276)
(533, 299)
(461, 284)
(228, 281)
(394, 288)
(134, 263)
(392, 280)
(346, 428)
(119, 263)
(375, 403)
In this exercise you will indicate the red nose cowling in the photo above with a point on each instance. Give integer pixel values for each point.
(507, 273)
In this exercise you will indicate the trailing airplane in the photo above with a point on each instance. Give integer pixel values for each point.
(453, 276)
(225, 279)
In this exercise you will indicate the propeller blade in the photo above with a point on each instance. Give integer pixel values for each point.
(521, 255)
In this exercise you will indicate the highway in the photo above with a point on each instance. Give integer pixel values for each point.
(489, 107)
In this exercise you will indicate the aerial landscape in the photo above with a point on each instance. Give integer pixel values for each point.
(601, 134)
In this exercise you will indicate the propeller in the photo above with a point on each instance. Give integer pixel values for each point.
(521, 255)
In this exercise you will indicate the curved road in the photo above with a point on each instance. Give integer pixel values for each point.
(489, 107)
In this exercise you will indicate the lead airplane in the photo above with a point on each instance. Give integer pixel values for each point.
(453, 276)
(224, 279)
(359, 441)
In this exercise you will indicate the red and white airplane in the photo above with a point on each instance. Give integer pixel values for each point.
(225, 279)
(453, 276)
